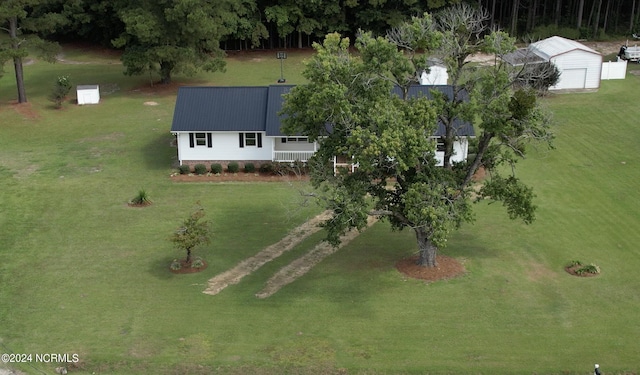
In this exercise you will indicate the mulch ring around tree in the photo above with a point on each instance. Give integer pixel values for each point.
(448, 268)
(139, 205)
(186, 267)
(572, 270)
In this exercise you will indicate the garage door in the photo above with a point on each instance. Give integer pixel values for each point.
(573, 79)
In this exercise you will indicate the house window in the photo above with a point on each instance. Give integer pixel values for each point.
(294, 140)
(201, 139)
(250, 139)
(440, 147)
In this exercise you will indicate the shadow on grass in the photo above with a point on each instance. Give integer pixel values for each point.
(467, 246)
(159, 153)
(159, 268)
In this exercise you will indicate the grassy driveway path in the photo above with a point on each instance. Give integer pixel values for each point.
(302, 265)
(244, 268)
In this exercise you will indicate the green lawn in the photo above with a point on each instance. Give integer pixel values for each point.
(80, 272)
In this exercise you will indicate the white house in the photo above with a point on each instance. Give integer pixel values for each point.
(88, 94)
(580, 67)
(225, 124)
(437, 74)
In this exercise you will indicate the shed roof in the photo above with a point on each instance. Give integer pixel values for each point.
(256, 108)
(86, 87)
(557, 45)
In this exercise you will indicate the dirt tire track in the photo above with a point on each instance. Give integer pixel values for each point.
(247, 266)
(292, 271)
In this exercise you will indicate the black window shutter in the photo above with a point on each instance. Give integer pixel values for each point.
(191, 140)
(259, 139)
(209, 143)
(241, 140)
(283, 140)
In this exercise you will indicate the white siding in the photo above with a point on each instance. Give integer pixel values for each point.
(225, 146)
(88, 95)
(579, 70)
(460, 150)
(292, 146)
(614, 69)
(437, 76)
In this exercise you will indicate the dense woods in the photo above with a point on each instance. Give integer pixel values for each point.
(244, 24)
(171, 36)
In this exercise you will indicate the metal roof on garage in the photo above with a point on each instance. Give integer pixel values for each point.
(557, 45)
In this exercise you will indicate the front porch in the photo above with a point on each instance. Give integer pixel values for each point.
(292, 156)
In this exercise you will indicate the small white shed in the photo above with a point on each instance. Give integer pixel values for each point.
(580, 66)
(88, 94)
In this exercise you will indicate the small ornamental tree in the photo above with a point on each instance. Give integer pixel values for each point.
(193, 232)
(60, 91)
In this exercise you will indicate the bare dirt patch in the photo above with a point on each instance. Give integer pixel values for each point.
(247, 266)
(150, 103)
(25, 110)
(448, 268)
(605, 48)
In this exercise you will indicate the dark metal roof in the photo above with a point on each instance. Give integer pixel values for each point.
(256, 108)
(461, 128)
(220, 109)
(522, 56)
(274, 105)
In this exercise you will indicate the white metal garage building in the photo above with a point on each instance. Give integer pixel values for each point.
(579, 65)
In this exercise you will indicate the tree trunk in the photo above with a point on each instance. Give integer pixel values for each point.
(188, 260)
(514, 17)
(17, 60)
(580, 11)
(597, 19)
(428, 251)
(556, 19)
(165, 72)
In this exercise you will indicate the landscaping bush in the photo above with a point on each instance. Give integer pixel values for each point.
(175, 265)
(141, 199)
(280, 169)
(216, 168)
(266, 168)
(233, 167)
(200, 169)
(197, 263)
(591, 268)
(60, 91)
(249, 168)
(184, 169)
(578, 268)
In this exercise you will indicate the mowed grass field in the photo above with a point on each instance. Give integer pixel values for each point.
(83, 273)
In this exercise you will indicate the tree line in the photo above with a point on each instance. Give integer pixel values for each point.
(171, 36)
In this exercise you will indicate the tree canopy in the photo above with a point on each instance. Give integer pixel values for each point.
(21, 20)
(349, 109)
(175, 35)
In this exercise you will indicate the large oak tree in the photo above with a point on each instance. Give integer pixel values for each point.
(347, 107)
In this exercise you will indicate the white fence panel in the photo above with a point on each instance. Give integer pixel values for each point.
(614, 69)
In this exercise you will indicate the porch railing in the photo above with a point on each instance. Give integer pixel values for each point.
(291, 156)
